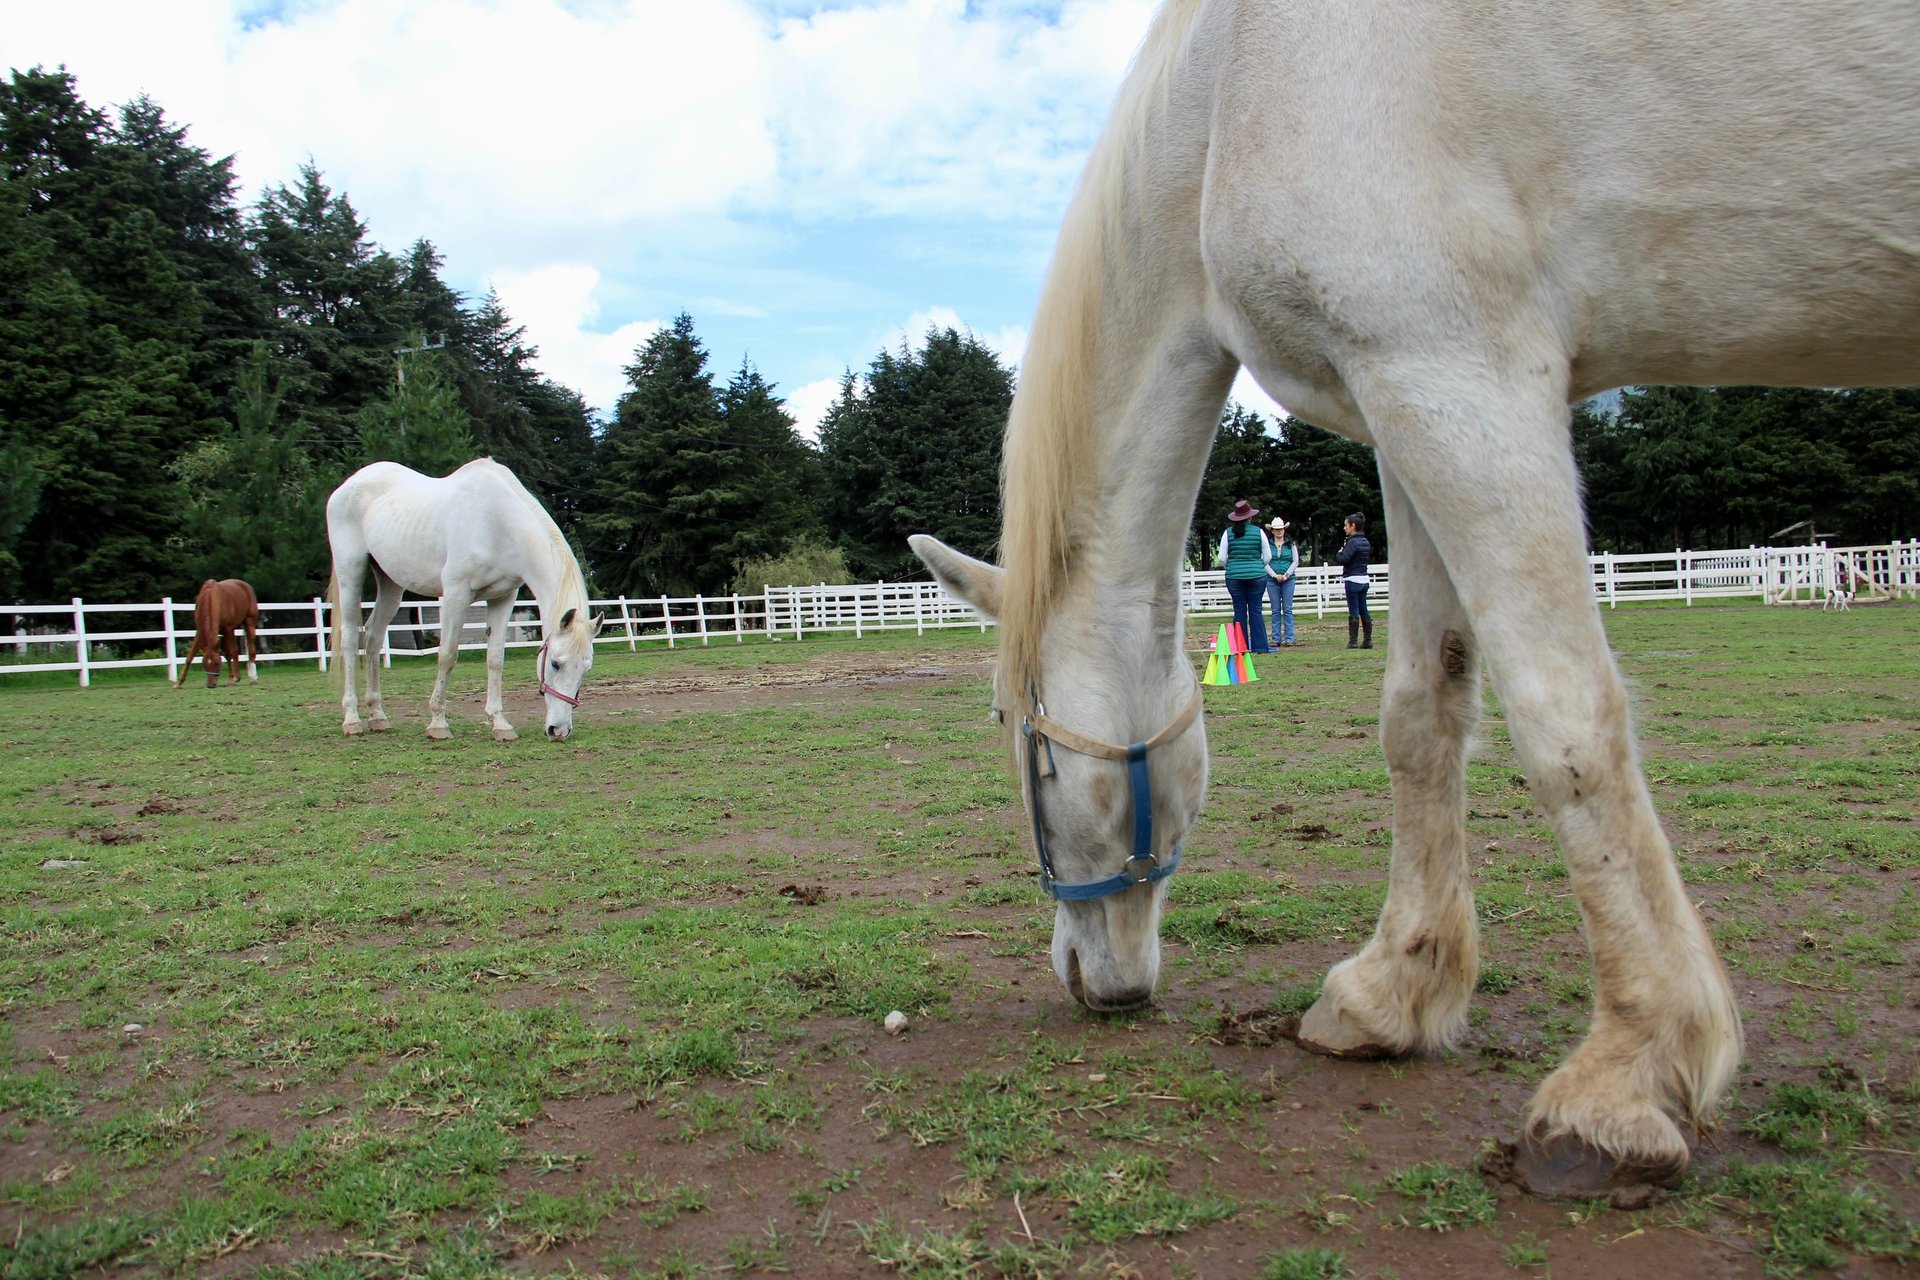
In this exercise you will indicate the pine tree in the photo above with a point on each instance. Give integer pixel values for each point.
(339, 304)
(916, 449)
(422, 424)
(654, 493)
(256, 502)
(96, 377)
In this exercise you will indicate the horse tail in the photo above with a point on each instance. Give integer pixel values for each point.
(337, 643)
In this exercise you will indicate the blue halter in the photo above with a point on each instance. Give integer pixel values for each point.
(1142, 866)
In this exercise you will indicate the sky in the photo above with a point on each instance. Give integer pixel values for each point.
(811, 182)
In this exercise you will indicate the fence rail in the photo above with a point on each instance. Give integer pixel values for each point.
(103, 637)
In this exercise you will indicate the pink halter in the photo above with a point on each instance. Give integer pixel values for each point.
(546, 688)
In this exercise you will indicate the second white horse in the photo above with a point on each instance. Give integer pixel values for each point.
(474, 535)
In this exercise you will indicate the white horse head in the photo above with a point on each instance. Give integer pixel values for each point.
(1112, 761)
(565, 658)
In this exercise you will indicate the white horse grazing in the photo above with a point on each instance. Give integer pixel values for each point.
(474, 535)
(1429, 227)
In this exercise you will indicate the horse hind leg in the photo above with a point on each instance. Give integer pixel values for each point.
(1665, 1035)
(386, 603)
(453, 620)
(1407, 990)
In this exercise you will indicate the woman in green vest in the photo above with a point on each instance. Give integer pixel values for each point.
(1244, 552)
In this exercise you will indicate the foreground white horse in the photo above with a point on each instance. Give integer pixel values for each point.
(474, 535)
(1429, 227)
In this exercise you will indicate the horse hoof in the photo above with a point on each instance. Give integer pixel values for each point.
(439, 733)
(353, 730)
(1323, 1031)
(379, 724)
(505, 735)
(1566, 1167)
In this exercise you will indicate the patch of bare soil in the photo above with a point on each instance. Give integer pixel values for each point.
(1308, 1162)
(784, 682)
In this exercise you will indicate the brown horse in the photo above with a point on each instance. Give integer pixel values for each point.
(219, 612)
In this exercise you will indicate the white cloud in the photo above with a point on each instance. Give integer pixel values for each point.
(488, 123)
(558, 308)
(809, 404)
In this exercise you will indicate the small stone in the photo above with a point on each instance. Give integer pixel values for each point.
(133, 1028)
(896, 1023)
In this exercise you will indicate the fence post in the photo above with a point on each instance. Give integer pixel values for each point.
(166, 625)
(919, 610)
(1684, 572)
(80, 641)
(626, 620)
(666, 616)
(700, 611)
(321, 631)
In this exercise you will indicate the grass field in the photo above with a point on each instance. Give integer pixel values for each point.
(281, 1004)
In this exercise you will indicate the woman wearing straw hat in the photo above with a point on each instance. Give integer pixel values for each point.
(1280, 584)
(1244, 553)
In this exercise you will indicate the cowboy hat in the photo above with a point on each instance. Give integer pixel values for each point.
(1276, 523)
(1243, 510)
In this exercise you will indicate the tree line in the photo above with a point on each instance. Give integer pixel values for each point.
(184, 379)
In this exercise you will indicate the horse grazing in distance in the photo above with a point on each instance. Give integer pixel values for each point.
(221, 611)
(1429, 228)
(474, 535)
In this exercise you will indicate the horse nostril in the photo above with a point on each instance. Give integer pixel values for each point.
(1076, 984)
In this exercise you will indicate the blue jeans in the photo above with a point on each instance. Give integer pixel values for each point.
(1246, 594)
(1357, 600)
(1280, 600)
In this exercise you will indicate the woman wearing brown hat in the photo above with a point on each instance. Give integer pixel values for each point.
(1244, 553)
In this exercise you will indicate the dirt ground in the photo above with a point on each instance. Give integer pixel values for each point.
(1330, 1124)
(1302, 1168)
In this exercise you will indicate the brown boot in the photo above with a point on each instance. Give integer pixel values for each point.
(1367, 628)
(1353, 632)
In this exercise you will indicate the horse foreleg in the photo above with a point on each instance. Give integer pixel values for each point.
(230, 646)
(453, 619)
(498, 613)
(1408, 989)
(253, 652)
(186, 663)
(1503, 509)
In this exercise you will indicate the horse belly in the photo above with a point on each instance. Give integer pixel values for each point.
(1634, 195)
(409, 549)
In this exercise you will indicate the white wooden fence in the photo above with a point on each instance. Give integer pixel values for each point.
(85, 638)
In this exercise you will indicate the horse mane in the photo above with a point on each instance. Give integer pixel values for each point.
(1050, 428)
(571, 591)
(206, 615)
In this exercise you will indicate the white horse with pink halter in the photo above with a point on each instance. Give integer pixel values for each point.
(474, 535)
(1429, 227)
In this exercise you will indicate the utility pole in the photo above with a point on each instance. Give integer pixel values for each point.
(400, 355)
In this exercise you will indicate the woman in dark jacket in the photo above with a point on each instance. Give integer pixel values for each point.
(1354, 555)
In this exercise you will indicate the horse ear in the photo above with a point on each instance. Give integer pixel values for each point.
(566, 619)
(599, 621)
(975, 581)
